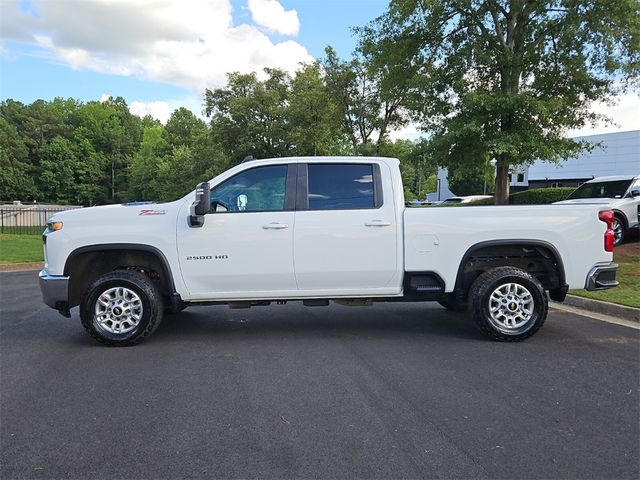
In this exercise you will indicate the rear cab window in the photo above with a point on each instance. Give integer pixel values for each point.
(339, 186)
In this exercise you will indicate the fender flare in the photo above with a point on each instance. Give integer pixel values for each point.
(510, 242)
(140, 247)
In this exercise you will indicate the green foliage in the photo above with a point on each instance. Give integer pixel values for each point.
(275, 117)
(540, 196)
(471, 179)
(533, 196)
(505, 79)
(15, 170)
(369, 103)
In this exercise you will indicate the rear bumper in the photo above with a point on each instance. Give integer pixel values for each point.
(602, 277)
(55, 291)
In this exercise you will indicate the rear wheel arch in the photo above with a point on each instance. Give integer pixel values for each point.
(620, 214)
(537, 257)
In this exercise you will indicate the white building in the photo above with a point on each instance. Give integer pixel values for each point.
(618, 154)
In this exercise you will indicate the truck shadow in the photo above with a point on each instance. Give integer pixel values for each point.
(334, 321)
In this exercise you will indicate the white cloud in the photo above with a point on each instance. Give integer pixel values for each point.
(411, 131)
(190, 44)
(159, 110)
(272, 15)
(624, 114)
(162, 110)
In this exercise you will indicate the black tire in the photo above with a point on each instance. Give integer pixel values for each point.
(149, 308)
(619, 228)
(531, 309)
(450, 303)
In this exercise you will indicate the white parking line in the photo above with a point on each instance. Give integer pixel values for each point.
(596, 316)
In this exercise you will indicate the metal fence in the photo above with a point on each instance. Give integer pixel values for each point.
(27, 219)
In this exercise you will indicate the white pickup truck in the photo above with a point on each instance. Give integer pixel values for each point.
(317, 229)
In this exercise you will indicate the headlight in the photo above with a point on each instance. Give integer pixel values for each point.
(54, 226)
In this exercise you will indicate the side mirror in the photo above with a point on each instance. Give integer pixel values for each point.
(634, 193)
(201, 205)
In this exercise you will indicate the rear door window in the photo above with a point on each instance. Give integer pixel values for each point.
(341, 186)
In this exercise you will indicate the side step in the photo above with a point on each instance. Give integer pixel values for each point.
(426, 282)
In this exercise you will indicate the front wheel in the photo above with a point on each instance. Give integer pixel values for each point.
(121, 308)
(508, 304)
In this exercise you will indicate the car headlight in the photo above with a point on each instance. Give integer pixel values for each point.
(54, 226)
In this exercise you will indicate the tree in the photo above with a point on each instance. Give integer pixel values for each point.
(16, 181)
(313, 115)
(248, 115)
(368, 110)
(58, 165)
(505, 79)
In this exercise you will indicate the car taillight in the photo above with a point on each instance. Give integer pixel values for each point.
(606, 216)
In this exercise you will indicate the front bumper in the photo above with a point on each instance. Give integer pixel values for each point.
(602, 277)
(55, 291)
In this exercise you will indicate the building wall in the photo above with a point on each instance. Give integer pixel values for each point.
(619, 154)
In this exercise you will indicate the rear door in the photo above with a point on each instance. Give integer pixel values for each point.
(345, 236)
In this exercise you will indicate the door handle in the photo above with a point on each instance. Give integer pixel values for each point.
(275, 226)
(377, 223)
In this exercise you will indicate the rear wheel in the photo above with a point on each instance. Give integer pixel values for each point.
(121, 308)
(508, 304)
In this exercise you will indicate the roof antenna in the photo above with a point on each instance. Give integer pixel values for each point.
(248, 158)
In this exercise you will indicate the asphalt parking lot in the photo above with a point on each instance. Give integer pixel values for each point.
(389, 391)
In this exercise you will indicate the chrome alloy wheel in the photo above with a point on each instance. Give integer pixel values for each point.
(118, 310)
(511, 308)
(617, 230)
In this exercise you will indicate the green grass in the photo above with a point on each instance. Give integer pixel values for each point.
(20, 248)
(628, 292)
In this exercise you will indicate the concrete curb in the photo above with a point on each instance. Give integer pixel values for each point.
(605, 308)
(21, 267)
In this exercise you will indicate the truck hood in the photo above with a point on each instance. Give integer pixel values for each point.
(118, 214)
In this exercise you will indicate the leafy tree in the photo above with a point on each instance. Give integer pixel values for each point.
(184, 128)
(505, 79)
(16, 181)
(143, 169)
(313, 115)
(367, 109)
(56, 181)
(248, 115)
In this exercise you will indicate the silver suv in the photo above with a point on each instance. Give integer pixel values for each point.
(621, 193)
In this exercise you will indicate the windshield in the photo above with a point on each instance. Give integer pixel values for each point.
(612, 189)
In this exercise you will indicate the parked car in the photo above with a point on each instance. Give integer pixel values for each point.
(619, 193)
(467, 199)
(316, 229)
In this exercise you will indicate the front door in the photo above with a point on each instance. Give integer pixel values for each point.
(244, 249)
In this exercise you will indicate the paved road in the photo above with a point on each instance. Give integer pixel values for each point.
(390, 391)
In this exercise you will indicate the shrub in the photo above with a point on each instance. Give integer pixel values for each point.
(534, 196)
(540, 196)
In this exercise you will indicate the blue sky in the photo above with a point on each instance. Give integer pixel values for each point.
(161, 54)
(32, 67)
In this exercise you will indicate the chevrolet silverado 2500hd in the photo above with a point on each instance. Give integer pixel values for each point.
(317, 229)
